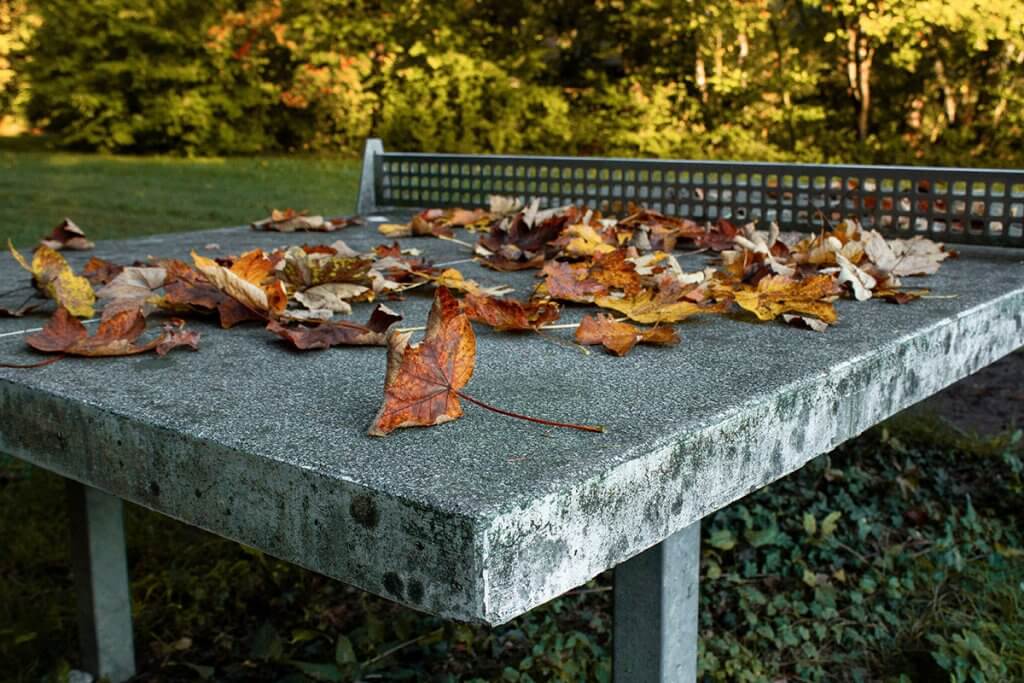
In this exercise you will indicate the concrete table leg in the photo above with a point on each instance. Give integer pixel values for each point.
(101, 579)
(656, 593)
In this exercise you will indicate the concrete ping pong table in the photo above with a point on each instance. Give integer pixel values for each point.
(486, 518)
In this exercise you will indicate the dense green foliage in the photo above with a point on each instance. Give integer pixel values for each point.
(909, 80)
(877, 562)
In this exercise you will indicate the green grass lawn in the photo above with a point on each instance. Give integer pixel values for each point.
(122, 196)
(899, 557)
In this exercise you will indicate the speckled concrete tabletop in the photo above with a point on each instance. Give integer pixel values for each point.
(486, 517)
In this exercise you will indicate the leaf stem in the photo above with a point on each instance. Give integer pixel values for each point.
(520, 416)
(456, 240)
(48, 361)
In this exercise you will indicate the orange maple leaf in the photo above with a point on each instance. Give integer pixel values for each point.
(509, 314)
(423, 381)
(620, 337)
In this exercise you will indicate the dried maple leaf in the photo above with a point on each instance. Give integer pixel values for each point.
(339, 333)
(861, 283)
(620, 337)
(436, 222)
(100, 272)
(52, 276)
(67, 235)
(648, 308)
(718, 237)
(777, 294)
(616, 271)
(584, 240)
(133, 288)
(509, 314)
(116, 336)
(520, 242)
(917, 256)
(455, 281)
(302, 268)
(265, 300)
(333, 297)
(570, 282)
(290, 220)
(422, 382)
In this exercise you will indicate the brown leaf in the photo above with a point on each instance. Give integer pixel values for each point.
(115, 336)
(616, 272)
(339, 333)
(570, 282)
(718, 237)
(620, 337)
(509, 314)
(523, 238)
(290, 220)
(422, 383)
(67, 235)
(100, 272)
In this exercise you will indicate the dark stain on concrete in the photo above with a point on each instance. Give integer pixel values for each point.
(393, 585)
(364, 510)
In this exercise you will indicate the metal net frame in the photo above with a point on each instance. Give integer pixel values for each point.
(959, 205)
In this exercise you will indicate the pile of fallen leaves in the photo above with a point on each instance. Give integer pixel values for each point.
(625, 266)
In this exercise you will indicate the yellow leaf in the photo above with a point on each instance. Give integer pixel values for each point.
(585, 241)
(777, 294)
(645, 308)
(53, 277)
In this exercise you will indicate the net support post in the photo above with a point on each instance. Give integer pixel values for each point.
(100, 567)
(367, 201)
(656, 596)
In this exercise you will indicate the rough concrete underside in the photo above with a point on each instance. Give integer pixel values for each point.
(486, 517)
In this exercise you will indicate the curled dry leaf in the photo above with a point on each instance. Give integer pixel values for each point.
(242, 282)
(339, 333)
(861, 282)
(620, 337)
(52, 276)
(422, 382)
(67, 235)
(186, 290)
(290, 220)
(509, 314)
(116, 336)
(777, 294)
